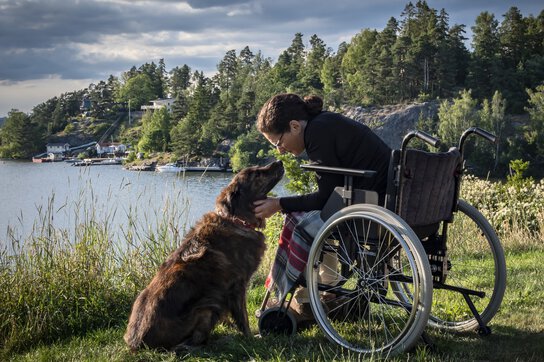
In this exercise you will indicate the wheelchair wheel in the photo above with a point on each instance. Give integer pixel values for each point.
(356, 257)
(476, 262)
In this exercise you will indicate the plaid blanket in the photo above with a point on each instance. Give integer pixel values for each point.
(299, 230)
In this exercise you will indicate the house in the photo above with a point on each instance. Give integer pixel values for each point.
(112, 147)
(57, 147)
(159, 103)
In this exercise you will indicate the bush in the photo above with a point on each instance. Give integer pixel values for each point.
(508, 206)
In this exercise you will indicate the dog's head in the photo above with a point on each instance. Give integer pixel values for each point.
(249, 185)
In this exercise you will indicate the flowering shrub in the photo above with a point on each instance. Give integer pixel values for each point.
(509, 205)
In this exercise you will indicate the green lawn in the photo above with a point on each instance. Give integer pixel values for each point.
(518, 334)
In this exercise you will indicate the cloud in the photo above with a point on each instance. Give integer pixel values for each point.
(91, 39)
(78, 39)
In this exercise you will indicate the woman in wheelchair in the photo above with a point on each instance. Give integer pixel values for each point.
(296, 125)
(375, 277)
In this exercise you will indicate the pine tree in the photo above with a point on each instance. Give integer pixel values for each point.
(536, 128)
(20, 137)
(155, 131)
(484, 66)
(310, 72)
(180, 80)
(186, 136)
(355, 63)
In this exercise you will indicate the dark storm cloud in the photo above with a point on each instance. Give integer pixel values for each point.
(41, 38)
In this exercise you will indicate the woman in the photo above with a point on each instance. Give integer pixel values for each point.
(295, 125)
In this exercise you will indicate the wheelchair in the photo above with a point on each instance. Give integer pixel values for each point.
(377, 276)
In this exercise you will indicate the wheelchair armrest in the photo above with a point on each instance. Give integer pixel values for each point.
(339, 170)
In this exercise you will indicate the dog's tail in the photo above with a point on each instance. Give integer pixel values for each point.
(133, 341)
(134, 336)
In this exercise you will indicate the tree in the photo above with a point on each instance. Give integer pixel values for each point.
(536, 128)
(358, 81)
(492, 118)
(157, 77)
(310, 72)
(247, 150)
(484, 65)
(455, 117)
(459, 54)
(381, 64)
(155, 131)
(186, 136)
(180, 80)
(331, 77)
(227, 73)
(512, 38)
(513, 44)
(138, 90)
(180, 107)
(20, 137)
(288, 67)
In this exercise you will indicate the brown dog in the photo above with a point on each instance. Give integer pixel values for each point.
(206, 277)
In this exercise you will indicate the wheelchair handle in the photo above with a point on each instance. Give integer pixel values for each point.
(435, 142)
(480, 132)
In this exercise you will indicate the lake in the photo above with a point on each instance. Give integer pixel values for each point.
(30, 192)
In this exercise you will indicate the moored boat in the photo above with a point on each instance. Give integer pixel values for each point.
(170, 167)
(40, 159)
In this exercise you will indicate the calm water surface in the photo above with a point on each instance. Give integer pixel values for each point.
(28, 190)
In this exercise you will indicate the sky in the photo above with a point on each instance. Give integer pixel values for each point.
(49, 47)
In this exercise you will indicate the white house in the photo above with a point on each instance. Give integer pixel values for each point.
(159, 103)
(57, 147)
(112, 147)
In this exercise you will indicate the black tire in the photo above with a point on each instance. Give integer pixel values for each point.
(477, 262)
(358, 308)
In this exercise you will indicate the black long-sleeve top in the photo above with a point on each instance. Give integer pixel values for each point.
(332, 139)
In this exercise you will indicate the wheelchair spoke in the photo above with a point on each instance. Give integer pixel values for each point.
(359, 306)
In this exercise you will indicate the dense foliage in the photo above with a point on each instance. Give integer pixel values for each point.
(419, 56)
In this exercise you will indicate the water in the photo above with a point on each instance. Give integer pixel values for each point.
(28, 190)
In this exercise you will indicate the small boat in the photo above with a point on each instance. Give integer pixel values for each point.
(72, 160)
(170, 167)
(110, 161)
(98, 162)
(206, 169)
(40, 159)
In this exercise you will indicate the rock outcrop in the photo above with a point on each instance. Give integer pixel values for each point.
(391, 123)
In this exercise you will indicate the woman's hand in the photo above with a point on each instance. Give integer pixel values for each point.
(267, 207)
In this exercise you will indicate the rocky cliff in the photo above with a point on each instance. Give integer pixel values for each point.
(391, 123)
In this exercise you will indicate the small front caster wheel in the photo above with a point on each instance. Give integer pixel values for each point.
(484, 331)
(277, 320)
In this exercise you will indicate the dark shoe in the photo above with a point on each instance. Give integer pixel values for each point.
(302, 312)
(346, 309)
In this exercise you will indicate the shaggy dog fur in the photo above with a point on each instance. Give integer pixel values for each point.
(206, 278)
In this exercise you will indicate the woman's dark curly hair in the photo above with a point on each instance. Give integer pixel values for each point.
(279, 110)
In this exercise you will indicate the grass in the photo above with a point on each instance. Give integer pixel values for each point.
(66, 296)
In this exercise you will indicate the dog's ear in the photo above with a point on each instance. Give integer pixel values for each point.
(226, 202)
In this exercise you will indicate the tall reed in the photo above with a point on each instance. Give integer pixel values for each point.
(64, 281)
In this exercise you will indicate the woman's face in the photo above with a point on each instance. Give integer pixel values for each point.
(291, 141)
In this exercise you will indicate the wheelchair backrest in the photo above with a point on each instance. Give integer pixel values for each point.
(428, 186)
